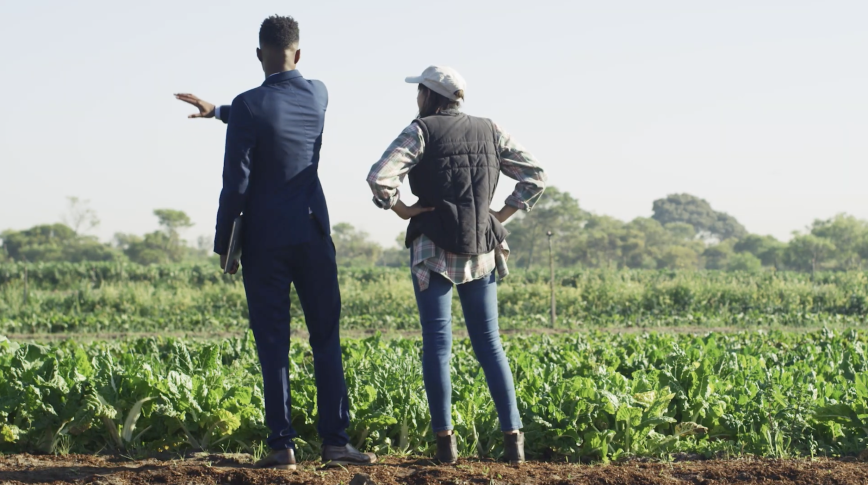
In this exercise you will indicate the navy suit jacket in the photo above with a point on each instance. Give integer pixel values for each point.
(270, 167)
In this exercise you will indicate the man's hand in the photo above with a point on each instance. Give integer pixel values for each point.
(206, 109)
(233, 269)
(504, 214)
(407, 212)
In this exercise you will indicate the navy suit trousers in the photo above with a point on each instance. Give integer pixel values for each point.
(268, 275)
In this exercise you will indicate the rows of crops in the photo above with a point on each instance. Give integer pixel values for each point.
(593, 396)
(131, 298)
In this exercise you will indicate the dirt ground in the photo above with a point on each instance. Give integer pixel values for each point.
(236, 470)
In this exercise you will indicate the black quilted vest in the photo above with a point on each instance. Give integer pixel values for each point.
(457, 176)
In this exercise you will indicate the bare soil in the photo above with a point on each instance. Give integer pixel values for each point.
(237, 470)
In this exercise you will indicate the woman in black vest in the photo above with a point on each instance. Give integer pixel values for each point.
(454, 162)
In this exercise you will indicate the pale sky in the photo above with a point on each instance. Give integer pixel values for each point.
(760, 107)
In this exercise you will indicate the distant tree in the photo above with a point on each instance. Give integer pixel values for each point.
(79, 216)
(353, 247)
(163, 246)
(396, 256)
(717, 256)
(205, 243)
(697, 212)
(863, 248)
(204, 249)
(46, 240)
(606, 242)
(769, 250)
(681, 231)
(634, 251)
(89, 249)
(847, 234)
(642, 243)
(556, 211)
(678, 257)
(55, 242)
(147, 249)
(807, 252)
(598, 244)
(648, 244)
(744, 262)
(172, 223)
(60, 242)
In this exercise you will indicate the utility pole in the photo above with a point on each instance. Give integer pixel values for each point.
(552, 282)
(25, 281)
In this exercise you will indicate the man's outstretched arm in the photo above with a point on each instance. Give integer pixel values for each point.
(206, 109)
(240, 143)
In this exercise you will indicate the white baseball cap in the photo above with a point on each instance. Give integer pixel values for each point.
(443, 80)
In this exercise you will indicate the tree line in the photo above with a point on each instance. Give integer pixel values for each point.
(69, 240)
(684, 232)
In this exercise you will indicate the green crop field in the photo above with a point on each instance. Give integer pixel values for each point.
(107, 297)
(597, 396)
(742, 382)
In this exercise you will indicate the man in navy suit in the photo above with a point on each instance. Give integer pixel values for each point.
(270, 167)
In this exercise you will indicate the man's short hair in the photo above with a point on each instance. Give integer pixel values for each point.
(279, 32)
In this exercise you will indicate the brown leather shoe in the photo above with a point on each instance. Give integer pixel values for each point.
(345, 455)
(278, 460)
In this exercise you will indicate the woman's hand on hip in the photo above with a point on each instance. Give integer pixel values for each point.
(407, 212)
(504, 214)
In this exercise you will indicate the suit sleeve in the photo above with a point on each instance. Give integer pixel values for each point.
(223, 113)
(240, 143)
(325, 95)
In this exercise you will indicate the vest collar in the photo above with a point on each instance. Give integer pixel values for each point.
(281, 77)
(449, 112)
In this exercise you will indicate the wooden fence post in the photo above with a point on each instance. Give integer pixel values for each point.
(552, 282)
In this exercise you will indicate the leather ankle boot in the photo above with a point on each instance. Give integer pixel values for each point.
(447, 449)
(513, 448)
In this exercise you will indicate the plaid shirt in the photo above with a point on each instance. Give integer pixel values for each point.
(404, 153)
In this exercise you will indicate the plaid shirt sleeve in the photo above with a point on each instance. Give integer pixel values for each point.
(518, 164)
(388, 174)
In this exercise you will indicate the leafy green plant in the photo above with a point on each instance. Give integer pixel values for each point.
(124, 297)
(595, 396)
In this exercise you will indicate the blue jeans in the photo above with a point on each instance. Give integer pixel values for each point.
(479, 302)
